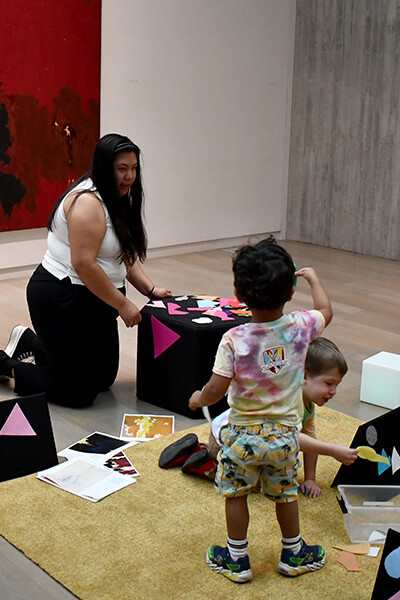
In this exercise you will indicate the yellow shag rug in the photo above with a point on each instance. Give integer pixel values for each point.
(149, 540)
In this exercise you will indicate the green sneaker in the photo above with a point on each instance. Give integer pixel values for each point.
(310, 558)
(220, 561)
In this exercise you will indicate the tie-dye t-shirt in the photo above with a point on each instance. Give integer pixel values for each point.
(265, 362)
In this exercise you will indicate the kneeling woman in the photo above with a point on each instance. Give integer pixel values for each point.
(95, 243)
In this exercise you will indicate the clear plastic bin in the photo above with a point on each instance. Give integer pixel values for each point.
(371, 510)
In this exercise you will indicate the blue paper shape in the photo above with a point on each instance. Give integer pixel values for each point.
(383, 466)
(392, 563)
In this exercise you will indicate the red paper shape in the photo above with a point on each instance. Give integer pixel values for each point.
(17, 424)
(163, 336)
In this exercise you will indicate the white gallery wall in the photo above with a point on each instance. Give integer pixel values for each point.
(204, 88)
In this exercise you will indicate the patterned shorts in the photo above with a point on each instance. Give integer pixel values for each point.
(259, 455)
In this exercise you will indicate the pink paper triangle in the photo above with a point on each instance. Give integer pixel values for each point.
(156, 304)
(17, 424)
(175, 309)
(163, 336)
(395, 597)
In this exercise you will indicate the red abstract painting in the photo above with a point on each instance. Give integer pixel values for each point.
(49, 103)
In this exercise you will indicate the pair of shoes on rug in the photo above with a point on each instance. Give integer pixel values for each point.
(310, 558)
(19, 347)
(189, 454)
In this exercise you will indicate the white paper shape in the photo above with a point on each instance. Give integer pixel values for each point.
(395, 461)
(373, 551)
(377, 536)
(182, 298)
(202, 320)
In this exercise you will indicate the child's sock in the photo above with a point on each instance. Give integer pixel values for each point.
(237, 548)
(293, 544)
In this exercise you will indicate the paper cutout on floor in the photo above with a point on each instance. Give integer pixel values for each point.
(395, 461)
(195, 309)
(216, 312)
(383, 467)
(392, 563)
(175, 309)
(395, 597)
(370, 454)
(202, 320)
(182, 298)
(348, 560)
(17, 424)
(163, 336)
(373, 551)
(354, 548)
(156, 304)
(377, 536)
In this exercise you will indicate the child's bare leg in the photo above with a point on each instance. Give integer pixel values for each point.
(297, 557)
(237, 517)
(287, 514)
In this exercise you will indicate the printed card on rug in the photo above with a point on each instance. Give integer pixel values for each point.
(97, 447)
(121, 463)
(146, 427)
(85, 479)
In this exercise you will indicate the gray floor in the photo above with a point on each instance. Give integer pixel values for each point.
(364, 292)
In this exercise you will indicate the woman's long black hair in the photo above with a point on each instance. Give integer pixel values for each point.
(126, 213)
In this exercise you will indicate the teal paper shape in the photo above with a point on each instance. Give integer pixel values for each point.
(383, 466)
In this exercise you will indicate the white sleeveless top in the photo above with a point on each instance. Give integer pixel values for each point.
(57, 259)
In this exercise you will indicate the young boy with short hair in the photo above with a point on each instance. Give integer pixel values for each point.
(325, 368)
(261, 363)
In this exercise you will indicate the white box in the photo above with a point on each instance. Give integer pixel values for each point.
(380, 380)
(371, 510)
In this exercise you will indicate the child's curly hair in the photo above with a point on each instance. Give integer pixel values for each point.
(263, 274)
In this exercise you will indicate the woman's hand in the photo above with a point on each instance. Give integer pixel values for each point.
(130, 313)
(159, 292)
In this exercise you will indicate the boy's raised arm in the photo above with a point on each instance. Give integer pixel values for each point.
(318, 292)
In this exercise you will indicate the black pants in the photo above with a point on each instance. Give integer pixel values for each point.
(78, 345)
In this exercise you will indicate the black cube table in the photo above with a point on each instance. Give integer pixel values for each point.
(176, 348)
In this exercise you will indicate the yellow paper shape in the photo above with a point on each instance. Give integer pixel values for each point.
(348, 560)
(370, 454)
(354, 548)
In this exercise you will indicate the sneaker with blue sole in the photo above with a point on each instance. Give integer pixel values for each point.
(310, 558)
(220, 561)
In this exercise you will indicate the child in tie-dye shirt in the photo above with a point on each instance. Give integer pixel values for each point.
(261, 366)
